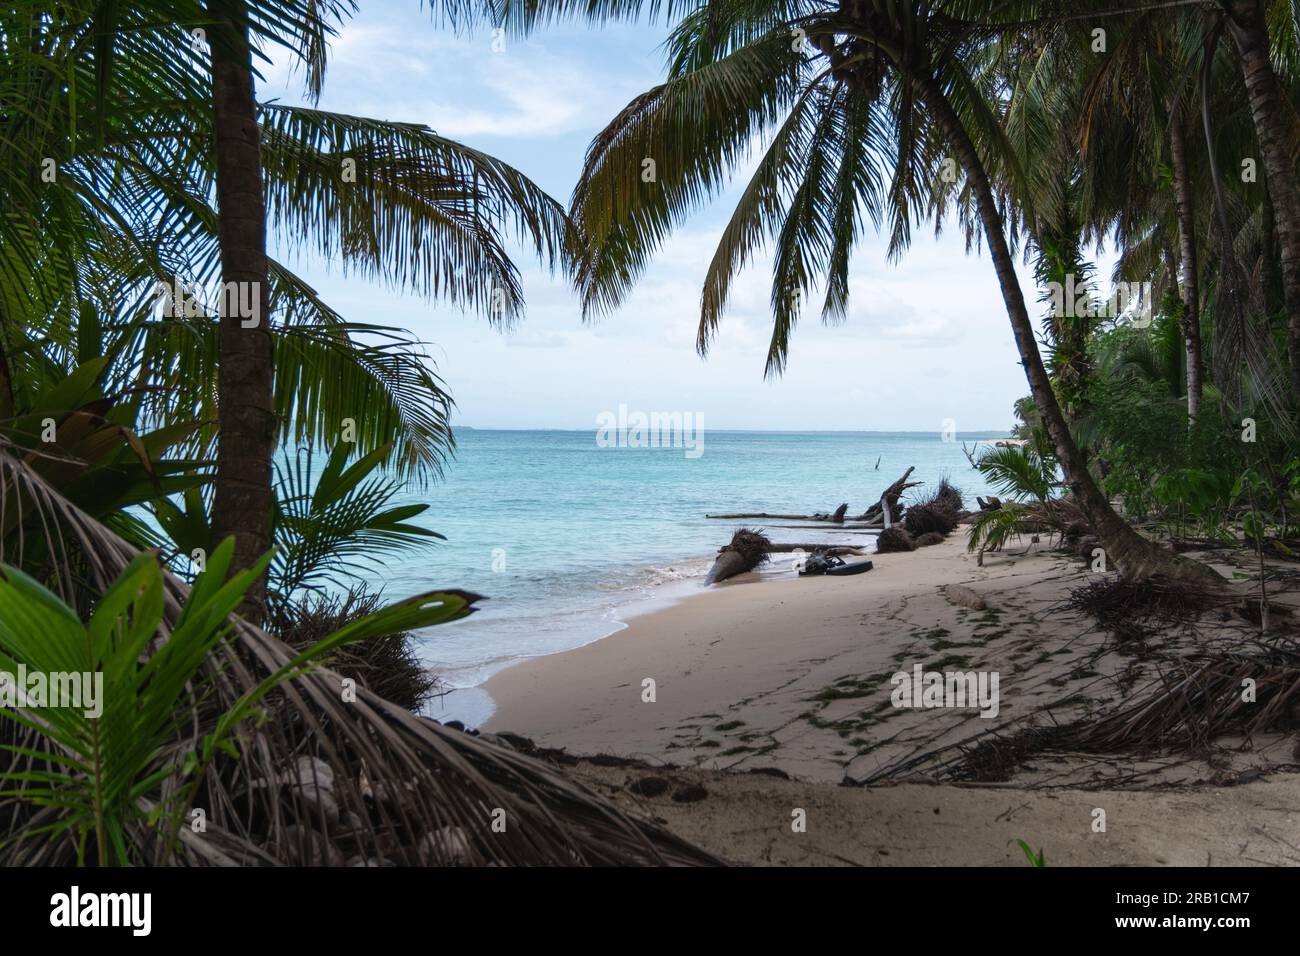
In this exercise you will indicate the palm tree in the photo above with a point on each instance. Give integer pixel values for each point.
(132, 205)
(1248, 22)
(876, 84)
(243, 501)
(1136, 114)
(79, 254)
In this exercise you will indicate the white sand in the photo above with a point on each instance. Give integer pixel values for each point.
(794, 674)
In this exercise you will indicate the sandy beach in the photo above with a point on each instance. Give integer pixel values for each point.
(775, 695)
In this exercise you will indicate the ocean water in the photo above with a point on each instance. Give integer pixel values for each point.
(567, 538)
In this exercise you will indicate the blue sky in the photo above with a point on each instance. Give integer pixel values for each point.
(926, 339)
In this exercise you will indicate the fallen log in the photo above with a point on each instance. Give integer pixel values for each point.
(744, 554)
(746, 551)
(764, 514)
(862, 526)
(828, 549)
(891, 494)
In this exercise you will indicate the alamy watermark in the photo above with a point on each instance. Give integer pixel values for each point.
(76, 909)
(1073, 299)
(241, 300)
(631, 429)
(923, 688)
(82, 690)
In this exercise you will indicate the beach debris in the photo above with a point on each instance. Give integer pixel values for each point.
(928, 539)
(889, 497)
(649, 786)
(839, 515)
(822, 562)
(960, 594)
(991, 503)
(746, 551)
(838, 549)
(895, 539)
(949, 496)
(1132, 609)
(747, 515)
(1183, 711)
(930, 517)
(691, 793)
(939, 512)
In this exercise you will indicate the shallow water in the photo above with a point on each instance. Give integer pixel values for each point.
(566, 537)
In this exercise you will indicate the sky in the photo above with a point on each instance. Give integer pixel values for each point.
(926, 340)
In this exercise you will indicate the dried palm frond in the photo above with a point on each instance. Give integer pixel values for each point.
(1187, 709)
(380, 784)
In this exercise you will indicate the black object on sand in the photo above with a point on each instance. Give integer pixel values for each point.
(820, 563)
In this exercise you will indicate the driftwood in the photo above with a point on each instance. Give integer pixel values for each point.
(872, 514)
(827, 549)
(764, 514)
(731, 561)
(891, 496)
(727, 565)
(746, 551)
(855, 528)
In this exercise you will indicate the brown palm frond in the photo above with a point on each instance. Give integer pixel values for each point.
(318, 779)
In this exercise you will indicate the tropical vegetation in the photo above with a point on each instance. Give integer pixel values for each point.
(182, 497)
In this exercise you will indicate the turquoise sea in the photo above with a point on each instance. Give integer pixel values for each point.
(567, 537)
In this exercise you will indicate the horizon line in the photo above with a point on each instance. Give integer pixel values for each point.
(757, 431)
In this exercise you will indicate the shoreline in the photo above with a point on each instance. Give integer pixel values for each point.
(480, 706)
(474, 699)
(725, 650)
(777, 697)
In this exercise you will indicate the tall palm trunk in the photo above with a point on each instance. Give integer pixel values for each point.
(1134, 556)
(1250, 30)
(246, 416)
(1186, 210)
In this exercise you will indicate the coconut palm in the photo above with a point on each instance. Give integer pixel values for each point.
(245, 394)
(323, 769)
(1139, 112)
(132, 202)
(1254, 25)
(863, 103)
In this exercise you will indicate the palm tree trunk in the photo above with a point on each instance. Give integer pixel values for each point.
(1250, 30)
(246, 416)
(1134, 556)
(1186, 211)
